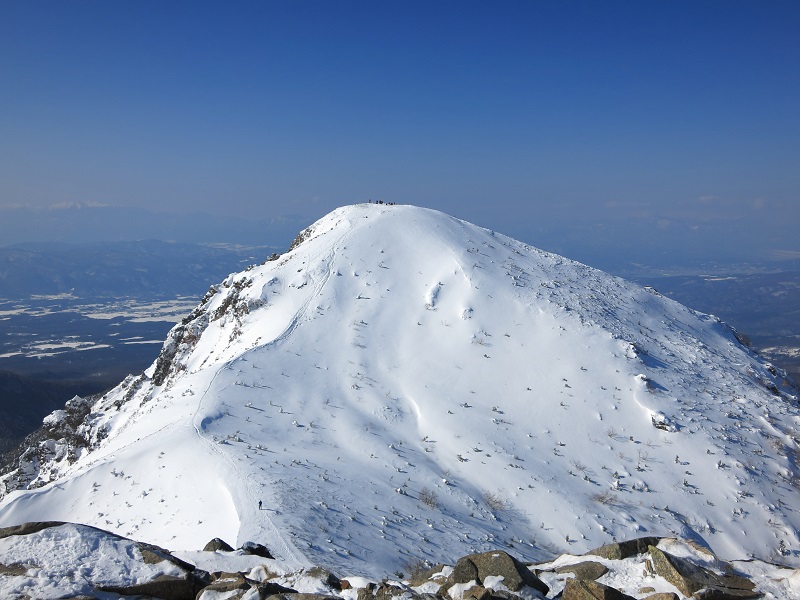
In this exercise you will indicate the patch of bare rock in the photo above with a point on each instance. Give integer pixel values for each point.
(641, 569)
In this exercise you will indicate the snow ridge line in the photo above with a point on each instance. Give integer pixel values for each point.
(301, 313)
(289, 549)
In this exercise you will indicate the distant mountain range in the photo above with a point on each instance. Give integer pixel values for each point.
(141, 269)
(78, 223)
(616, 241)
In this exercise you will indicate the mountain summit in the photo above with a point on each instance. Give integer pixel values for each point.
(404, 385)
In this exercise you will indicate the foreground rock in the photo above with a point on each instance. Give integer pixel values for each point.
(256, 550)
(237, 586)
(63, 560)
(634, 569)
(691, 578)
(479, 576)
(167, 587)
(586, 571)
(60, 560)
(621, 550)
(217, 544)
(577, 589)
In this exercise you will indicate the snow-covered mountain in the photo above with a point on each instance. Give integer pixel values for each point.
(404, 385)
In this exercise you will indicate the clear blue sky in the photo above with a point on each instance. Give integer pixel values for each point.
(674, 116)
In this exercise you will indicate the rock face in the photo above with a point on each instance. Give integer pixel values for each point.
(488, 570)
(217, 544)
(61, 440)
(514, 574)
(235, 585)
(621, 550)
(382, 591)
(163, 586)
(434, 574)
(464, 571)
(256, 550)
(325, 577)
(588, 570)
(691, 578)
(28, 528)
(13, 569)
(577, 589)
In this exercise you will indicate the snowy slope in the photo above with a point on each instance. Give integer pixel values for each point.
(404, 385)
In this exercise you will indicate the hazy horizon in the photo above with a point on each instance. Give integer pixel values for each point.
(594, 129)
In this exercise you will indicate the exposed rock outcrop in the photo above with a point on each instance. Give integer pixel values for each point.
(166, 587)
(256, 550)
(626, 549)
(694, 580)
(579, 589)
(588, 570)
(150, 571)
(217, 544)
(480, 575)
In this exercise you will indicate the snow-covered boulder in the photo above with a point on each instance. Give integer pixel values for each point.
(58, 560)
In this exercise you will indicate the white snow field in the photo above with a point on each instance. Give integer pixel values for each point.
(404, 385)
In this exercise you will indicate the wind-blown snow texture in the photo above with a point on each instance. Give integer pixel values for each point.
(402, 384)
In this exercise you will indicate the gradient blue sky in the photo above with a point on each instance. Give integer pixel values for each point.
(672, 119)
